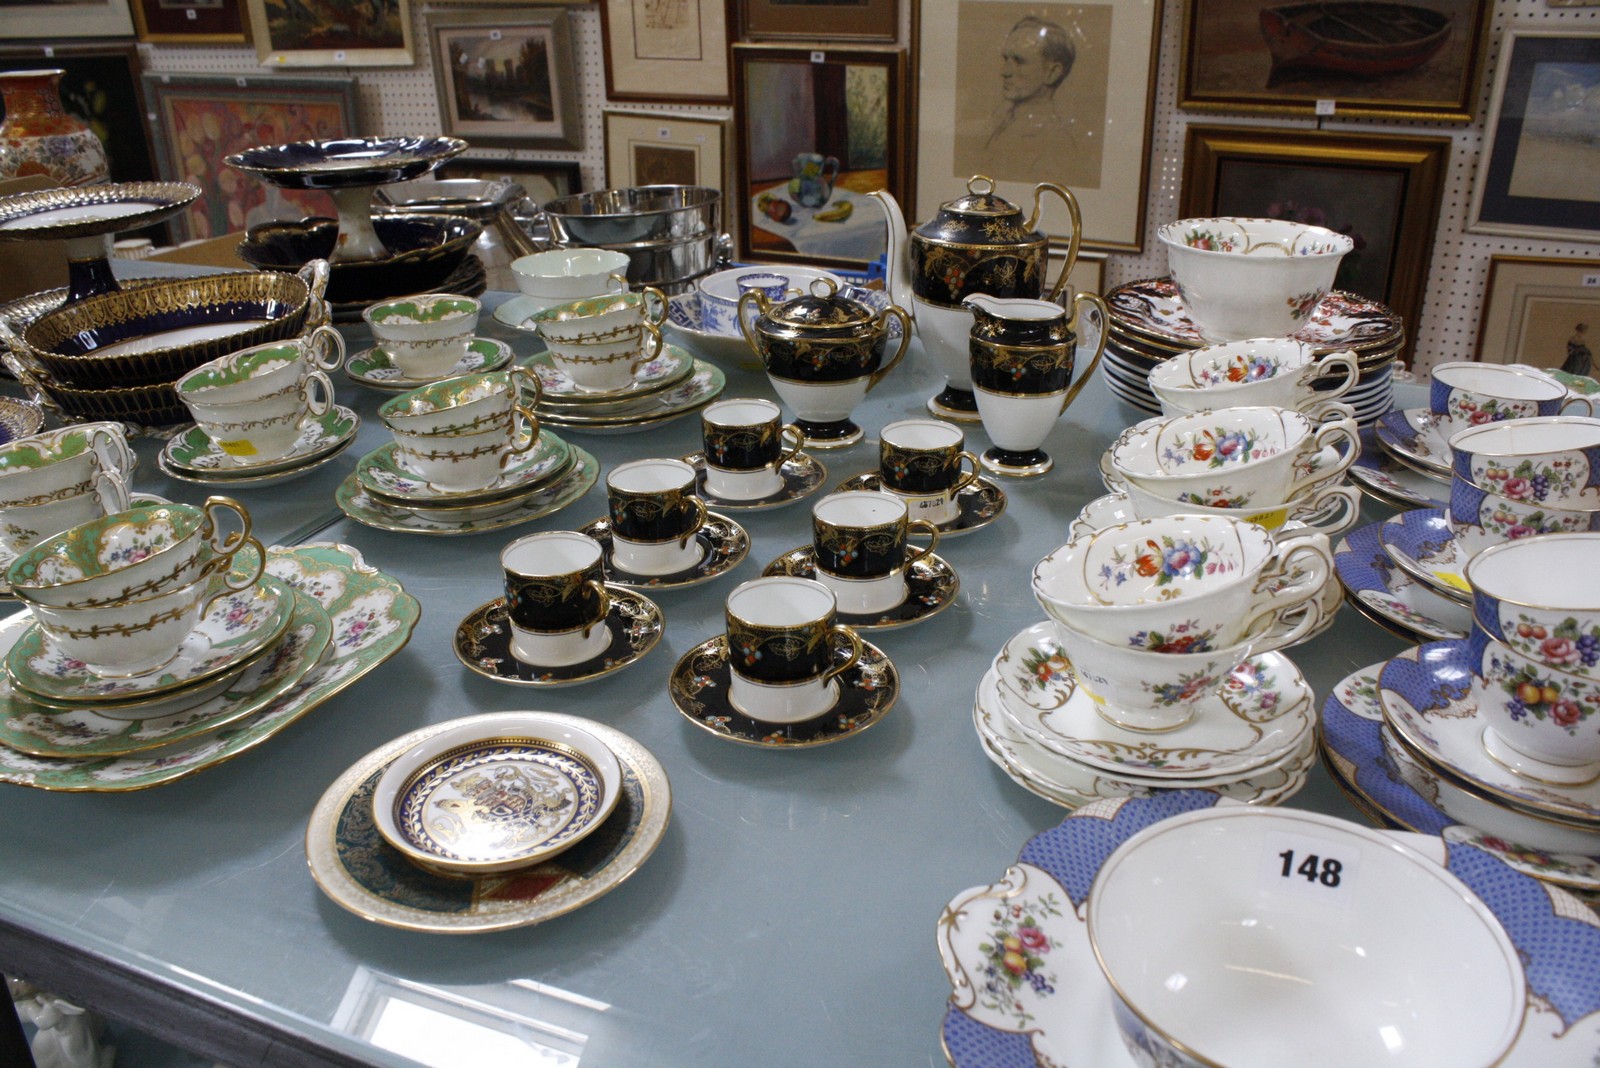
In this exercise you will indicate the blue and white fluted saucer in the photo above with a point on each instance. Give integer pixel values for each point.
(1415, 437)
(1421, 544)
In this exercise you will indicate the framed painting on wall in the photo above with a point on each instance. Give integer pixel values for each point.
(201, 119)
(1382, 191)
(48, 21)
(507, 78)
(332, 33)
(817, 132)
(674, 50)
(819, 20)
(1411, 61)
(191, 21)
(544, 179)
(1034, 93)
(1542, 311)
(1539, 175)
(657, 149)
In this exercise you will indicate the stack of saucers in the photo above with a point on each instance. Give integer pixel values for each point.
(671, 385)
(1149, 326)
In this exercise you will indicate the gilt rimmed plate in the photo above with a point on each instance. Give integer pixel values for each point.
(87, 731)
(483, 643)
(1048, 1002)
(373, 618)
(1388, 481)
(237, 625)
(1414, 437)
(363, 874)
(689, 396)
(1262, 711)
(355, 502)
(699, 688)
(802, 475)
(1388, 596)
(374, 367)
(931, 587)
(978, 505)
(558, 390)
(92, 210)
(1151, 308)
(1421, 544)
(382, 475)
(191, 452)
(723, 546)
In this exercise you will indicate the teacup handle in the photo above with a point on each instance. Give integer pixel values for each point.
(1317, 566)
(1344, 429)
(854, 640)
(324, 347)
(793, 433)
(520, 447)
(618, 280)
(1333, 509)
(1333, 363)
(109, 443)
(1322, 411)
(970, 477)
(523, 382)
(317, 391)
(655, 306)
(111, 491)
(232, 581)
(215, 507)
(1075, 324)
(605, 604)
(1572, 402)
(913, 553)
(651, 349)
(699, 521)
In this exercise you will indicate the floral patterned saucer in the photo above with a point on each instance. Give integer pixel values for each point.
(363, 874)
(1263, 711)
(723, 546)
(1388, 596)
(978, 505)
(382, 475)
(931, 587)
(1363, 762)
(483, 643)
(1414, 437)
(1152, 309)
(557, 389)
(689, 396)
(1026, 990)
(192, 456)
(802, 474)
(86, 731)
(354, 501)
(699, 688)
(1388, 481)
(236, 626)
(373, 367)
(1421, 544)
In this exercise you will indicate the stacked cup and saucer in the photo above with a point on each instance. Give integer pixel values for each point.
(785, 673)
(751, 458)
(1158, 668)
(424, 339)
(559, 622)
(263, 415)
(658, 533)
(468, 455)
(925, 463)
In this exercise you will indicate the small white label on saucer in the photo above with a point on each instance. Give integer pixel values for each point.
(917, 505)
(1317, 868)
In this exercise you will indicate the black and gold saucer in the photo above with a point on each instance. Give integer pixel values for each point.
(803, 474)
(483, 643)
(931, 587)
(724, 542)
(978, 505)
(700, 683)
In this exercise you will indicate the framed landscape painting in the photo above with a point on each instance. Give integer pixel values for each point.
(191, 21)
(507, 78)
(1542, 311)
(332, 33)
(1414, 61)
(656, 149)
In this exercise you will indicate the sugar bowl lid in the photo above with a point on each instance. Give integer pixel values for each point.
(821, 311)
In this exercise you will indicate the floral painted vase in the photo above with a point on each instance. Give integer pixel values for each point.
(39, 137)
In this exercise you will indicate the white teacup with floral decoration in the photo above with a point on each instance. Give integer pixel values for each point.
(1275, 371)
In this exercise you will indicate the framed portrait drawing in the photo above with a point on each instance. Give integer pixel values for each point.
(507, 78)
(1031, 98)
(1417, 61)
(819, 20)
(816, 133)
(49, 21)
(1539, 175)
(332, 33)
(1383, 191)
(191, 21)
(544, 179)
(201, 119)
(657, 149)
(1542, 311)
(666, 50)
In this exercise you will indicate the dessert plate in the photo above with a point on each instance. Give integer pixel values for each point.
(236, 627)
(382, 475)
(373, 618)
(1262, 711)
(978, 505)
(1414, 437)
(699, 688)
(1421, 544)
(931, 587)
(192, 452)
(1046, 1002)
(1427, 698)
(698, 390)
(1388, 596)
(1102, 512)
(1388, 481)
(557, 388)
(723, 546)
(374, 367)
(355, 502)
(101, 730)
(363, 874)
(802, 474)
(1152, 311)
(483, 643)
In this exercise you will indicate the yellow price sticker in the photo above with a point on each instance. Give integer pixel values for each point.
(1269, 520)
(237, 448)
(1450, 578)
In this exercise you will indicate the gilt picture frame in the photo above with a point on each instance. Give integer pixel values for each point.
(327, 33)
(654, 148)
(1543, 311)
(507, 77)
(193, 22)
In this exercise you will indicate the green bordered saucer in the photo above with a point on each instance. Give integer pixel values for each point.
(85, 732)
(373, 367)
(483, 643)
(236, 626)
(978, 505)
(191, 453)
(382, 475)
(363, 874)
(802, 474)
(699, 689)
(355, 502)
(671, 366)
(723, 546)
(931, 587)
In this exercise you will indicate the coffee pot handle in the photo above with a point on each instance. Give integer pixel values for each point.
(1077, 230)
(896, 312)
(1076, 325)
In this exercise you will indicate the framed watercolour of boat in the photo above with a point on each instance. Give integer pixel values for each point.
(1376, 58)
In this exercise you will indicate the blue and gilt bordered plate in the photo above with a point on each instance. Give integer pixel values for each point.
(1388, 481)
(1422, 544)
(1415, 438)
(1388, 596)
